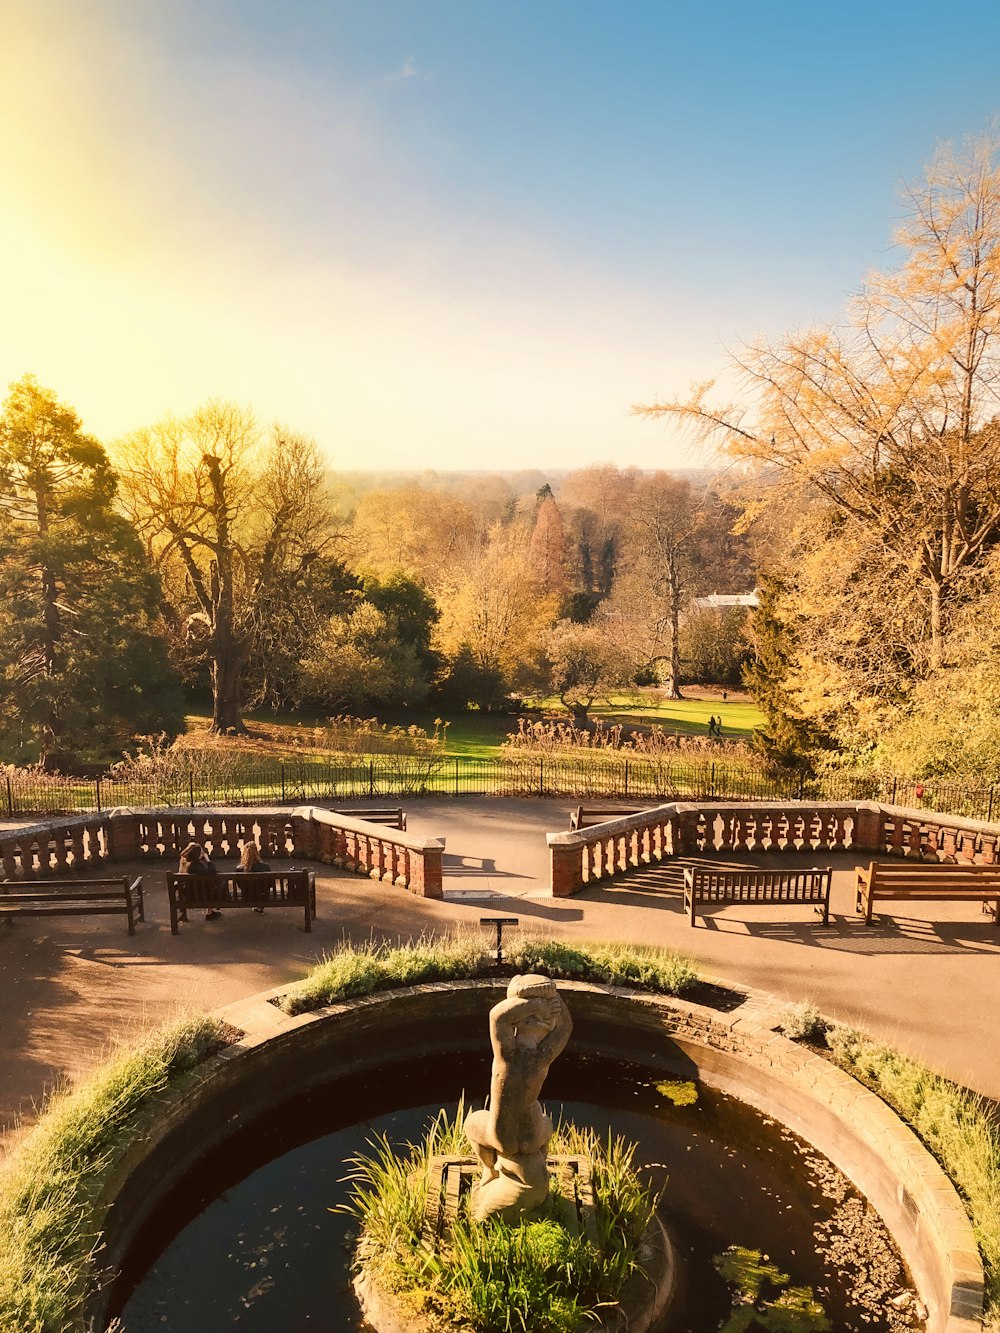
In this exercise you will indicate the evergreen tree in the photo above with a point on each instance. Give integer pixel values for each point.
(83, 662)
(786, 740)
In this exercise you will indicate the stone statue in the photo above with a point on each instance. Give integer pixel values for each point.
(528, 1030)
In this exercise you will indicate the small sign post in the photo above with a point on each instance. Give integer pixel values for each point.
(499, 922)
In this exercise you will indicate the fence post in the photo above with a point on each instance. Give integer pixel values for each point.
(191, 786)
(283, 798)
(626, 777)
(10, 797)
(711, 782)
(541, 777)
(802, 783)
(456, 775)
(97, 793)
(371, 777)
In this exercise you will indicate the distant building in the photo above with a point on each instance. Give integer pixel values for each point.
(720, 600)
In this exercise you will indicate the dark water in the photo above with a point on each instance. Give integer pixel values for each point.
(251, 1241)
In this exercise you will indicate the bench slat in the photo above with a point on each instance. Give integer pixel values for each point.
(239, 889)
(97, 897)
(757, 886)
(919, 881)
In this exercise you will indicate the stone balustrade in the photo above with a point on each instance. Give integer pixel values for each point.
(703, 828)
(83, 842)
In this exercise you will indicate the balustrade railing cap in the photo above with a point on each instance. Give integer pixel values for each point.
(940, 819)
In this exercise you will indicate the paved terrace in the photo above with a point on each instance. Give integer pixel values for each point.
(926, 979)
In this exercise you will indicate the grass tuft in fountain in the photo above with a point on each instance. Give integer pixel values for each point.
(495, 1276)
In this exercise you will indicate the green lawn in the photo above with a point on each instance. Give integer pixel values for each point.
(479, 735)
(739, 716)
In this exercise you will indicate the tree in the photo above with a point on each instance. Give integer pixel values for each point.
(84, 659)
(548, 544)
(411, 528)
(661, 530)
(713, 644)
(293, 608)
(891, 418)
(787, 740)
(584, 665)
(596, 500)
(359, 661)
(225, 514)
(494, 608)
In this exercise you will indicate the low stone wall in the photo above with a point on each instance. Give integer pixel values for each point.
(688, 829)
(85, 842)
(280, 1057)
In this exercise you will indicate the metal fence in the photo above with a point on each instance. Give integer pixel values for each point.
(358, 777)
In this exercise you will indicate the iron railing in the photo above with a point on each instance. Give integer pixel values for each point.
(360, 777)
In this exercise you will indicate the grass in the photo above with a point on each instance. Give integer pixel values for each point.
(464, 955)
(470, 734)
(497, 1277)
(690, 716)
(50, 1185)
(953, 1123)
(478, 735)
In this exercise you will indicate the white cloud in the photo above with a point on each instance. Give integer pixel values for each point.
(408, 70)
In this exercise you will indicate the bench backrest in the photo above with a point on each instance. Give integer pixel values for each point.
(758, 886)
(391, 818)
(588, 816)
(222, 889)
(930, 873)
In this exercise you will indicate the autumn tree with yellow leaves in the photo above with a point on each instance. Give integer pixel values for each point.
(883, 431)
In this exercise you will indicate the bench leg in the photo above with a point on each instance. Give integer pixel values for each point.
(173, 915)
(308, 915)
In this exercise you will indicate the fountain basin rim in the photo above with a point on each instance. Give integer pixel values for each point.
(739, 1052)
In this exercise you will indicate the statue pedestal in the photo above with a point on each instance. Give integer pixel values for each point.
(452, 1178)
(644, 1299)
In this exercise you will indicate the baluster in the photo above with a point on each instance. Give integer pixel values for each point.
(915, 839)
(839, 831)
(81, 838)
(11, 851)
(403, 877)
(391, 863)
(377, 870)
(967, 846)
(948, 843)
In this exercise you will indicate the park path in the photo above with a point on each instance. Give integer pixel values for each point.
(925, 980)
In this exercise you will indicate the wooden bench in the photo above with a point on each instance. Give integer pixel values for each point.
(586, 816)
(391, 818)
(260, 889)
(915, 879)
(758, 886)
(75, 897)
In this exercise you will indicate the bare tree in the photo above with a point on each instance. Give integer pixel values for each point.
(223, 509)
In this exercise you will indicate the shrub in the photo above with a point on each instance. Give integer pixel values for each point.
(954, 1124)
(50, 1222)
(802, 1021)
(464, 955)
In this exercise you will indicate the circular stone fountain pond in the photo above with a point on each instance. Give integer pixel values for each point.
(223, 1215)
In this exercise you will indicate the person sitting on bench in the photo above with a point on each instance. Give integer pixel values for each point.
(251, 863)
(196, 861)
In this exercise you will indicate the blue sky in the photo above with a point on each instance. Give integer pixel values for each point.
(452, 234)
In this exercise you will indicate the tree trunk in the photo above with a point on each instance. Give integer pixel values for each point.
(673, 690)
(50, 756)
(227, 669)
